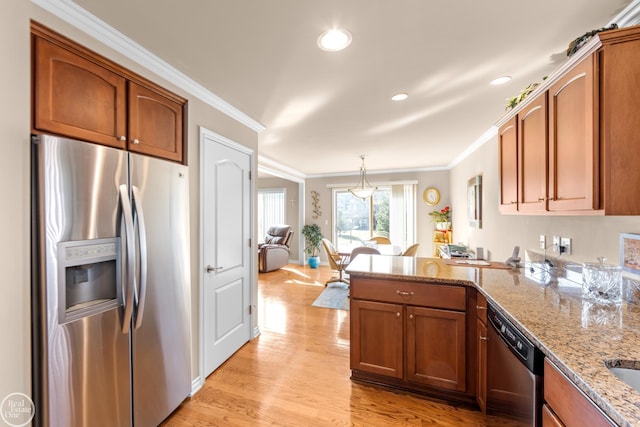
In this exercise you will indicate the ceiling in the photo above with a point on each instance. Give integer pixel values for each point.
(322, 110)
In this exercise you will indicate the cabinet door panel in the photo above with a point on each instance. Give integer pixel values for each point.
(621, 124)
(155, 124)
(76, 97)
(481, 397)
(532, 131)
(508, 146)
(376, 338)
(573, 138)
(436, 353)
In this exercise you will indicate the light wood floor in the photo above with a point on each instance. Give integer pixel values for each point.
(296, 373)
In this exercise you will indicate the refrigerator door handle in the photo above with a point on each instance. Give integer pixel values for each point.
(142, 243)
(128, 284)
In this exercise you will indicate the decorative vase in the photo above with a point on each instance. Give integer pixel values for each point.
(443, 226)
(314, 261)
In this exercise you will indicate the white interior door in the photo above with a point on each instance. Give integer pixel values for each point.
(226, 251)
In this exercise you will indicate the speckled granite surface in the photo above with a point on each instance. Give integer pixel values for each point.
(578, 336)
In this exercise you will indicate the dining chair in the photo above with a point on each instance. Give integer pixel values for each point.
(381, 240)
(411, 250)
(336, 261)
(363, 250)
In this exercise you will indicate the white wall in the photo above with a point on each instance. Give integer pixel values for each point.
(15, 127)
(15, 368)
(592, 236)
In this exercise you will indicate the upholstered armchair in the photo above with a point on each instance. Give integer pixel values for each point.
(274, 252)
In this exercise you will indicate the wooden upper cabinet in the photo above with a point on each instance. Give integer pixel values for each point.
(508, 163)
(78, 98)
(620, 128)
(532, 139)
(81, 95)
(155, 124)
(573, 139)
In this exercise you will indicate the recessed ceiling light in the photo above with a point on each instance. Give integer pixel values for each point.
(399, 97)
(334, 40)
(500, 80)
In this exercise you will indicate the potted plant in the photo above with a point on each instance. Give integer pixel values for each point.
(312, 238)
(442, 218)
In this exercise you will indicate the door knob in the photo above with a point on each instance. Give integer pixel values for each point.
(210, 268)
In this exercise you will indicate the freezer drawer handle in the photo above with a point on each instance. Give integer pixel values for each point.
(142, 243)
(128, 284)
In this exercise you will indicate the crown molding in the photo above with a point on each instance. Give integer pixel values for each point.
(629, 16)
(279, 170)
(90, 24)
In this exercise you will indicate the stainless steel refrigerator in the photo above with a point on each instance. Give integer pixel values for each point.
(111, 285)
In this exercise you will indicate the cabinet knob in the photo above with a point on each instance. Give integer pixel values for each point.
(123, 138)
(135, 141)
(411, 316)
(483, 338)
(480, 307)
(398, 314)
(514, 203)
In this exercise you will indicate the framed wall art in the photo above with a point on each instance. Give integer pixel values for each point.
(630, 252)
(474, 201)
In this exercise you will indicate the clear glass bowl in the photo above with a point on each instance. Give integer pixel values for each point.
(602, 282)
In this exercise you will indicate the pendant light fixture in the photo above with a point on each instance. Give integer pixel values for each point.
(363, 190)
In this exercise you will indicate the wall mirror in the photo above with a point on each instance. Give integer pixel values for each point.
(474, 201)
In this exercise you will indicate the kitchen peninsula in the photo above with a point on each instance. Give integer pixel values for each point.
(574, 338)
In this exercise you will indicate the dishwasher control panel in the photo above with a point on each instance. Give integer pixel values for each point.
(520, 345)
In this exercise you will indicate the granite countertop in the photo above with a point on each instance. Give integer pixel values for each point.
(576, 335)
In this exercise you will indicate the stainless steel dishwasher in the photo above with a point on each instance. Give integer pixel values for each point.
(514, 372)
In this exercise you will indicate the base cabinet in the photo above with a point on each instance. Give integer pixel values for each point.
(411, 335)
(481, 393)
(565, 405)
(435, 353)
(376, 338)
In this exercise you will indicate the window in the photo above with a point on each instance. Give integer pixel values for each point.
(389, 212)
(271, 209)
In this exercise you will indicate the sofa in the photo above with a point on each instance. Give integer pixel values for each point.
(274, 252)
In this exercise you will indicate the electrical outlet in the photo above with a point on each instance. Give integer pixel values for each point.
(555, 241)
(565, 245)
(543, 241)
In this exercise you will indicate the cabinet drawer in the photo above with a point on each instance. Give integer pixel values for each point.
(423, 294)
(569, 403)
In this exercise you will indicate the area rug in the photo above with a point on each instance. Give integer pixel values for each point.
(335, 295)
